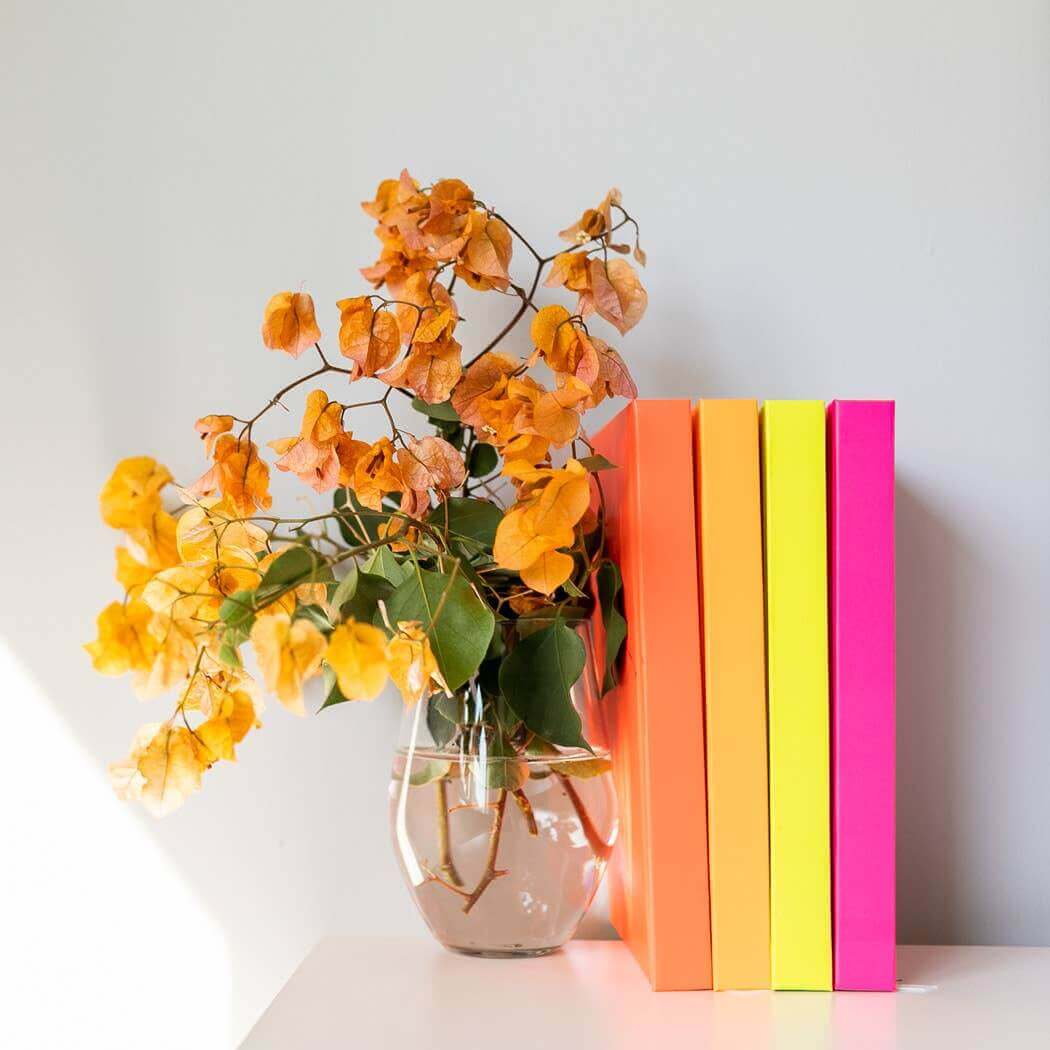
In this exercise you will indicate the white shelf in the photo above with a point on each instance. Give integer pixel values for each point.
(373, 992)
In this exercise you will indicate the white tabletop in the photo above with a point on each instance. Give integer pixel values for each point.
(372, 992)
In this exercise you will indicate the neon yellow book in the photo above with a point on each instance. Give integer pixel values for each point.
(794, 499)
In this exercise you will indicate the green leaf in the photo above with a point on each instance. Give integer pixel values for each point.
(459, 709)
(477, 519)
(453, 433)
(609, 587)
(537, 747)
(346, 587)
(229, 656)
(428, 771)
(316, 615)
(442, 729)
(595, 463)
(364, 604)
(442, 410)
(506, 717)
(488, 676)
(504, 767)
(238, 610)
(383, 563)
(458, 623)
(459, 548)
(536, 678)
(571, 588)
(332, 693)
(296, 565)
(482, 460)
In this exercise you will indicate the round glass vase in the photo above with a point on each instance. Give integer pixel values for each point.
(502, 838)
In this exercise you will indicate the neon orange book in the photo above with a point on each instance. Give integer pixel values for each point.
(658, 878)
(729, 524)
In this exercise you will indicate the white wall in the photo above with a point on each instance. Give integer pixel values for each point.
(838, 199)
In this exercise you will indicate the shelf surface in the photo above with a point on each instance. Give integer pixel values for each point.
(354, 992)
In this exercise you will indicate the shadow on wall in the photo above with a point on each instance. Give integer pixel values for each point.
(929, 560)
(277, 851)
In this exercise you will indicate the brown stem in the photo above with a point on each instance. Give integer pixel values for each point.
(490, 872)
(526, 811)
(448, 868)
(526, 302)
(433, 876)
(598, 845)
(535, 254)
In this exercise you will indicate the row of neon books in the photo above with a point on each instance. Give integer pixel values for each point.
(753, 726)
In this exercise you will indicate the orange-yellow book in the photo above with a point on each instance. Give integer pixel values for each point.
(659, 869)
(794, 498)
(729, 524)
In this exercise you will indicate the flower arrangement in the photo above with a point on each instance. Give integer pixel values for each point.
(444, 559)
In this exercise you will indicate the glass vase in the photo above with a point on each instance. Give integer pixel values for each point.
(502, 838)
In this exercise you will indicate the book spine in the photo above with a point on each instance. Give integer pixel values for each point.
(860, 487)
(673, 695)
(659, 889)
(729, 526)
(628, 876)
(794, 498)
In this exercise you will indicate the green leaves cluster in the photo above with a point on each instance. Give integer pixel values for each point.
(511, 677)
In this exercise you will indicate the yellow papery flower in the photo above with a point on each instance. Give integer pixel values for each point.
(524, 452)
(183, 593)
(224, 549)
(177, 644)
(411, 662)
(233, 711)
(124, 641)
(357, 655)
(150, 549)
(208, 688)
(288, 654)
(519, 540)
(185, 604)
(548, 572)
(209, 527)
(163, 769)
(531, 532)
(131, 496)
(131, 574)
(155, 542)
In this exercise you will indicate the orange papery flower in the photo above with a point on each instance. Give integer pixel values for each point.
(289, 323)
(615, 293)
(595, 222)
(431, 463)
(238, 474)
(313, 455)
(210, 427)
(377, 472)
(369, 338)
(485, 259)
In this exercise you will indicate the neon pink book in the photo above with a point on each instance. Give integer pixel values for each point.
(860, 533)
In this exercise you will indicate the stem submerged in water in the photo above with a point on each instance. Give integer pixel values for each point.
(526, 811)
(490, 872)
(598, 845)
(447, 866)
